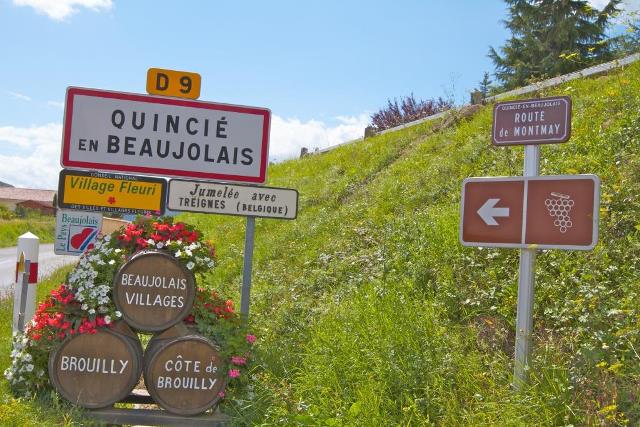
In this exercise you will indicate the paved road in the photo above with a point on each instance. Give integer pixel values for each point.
(47, 263)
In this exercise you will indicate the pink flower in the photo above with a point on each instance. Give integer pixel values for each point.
(251, 339)
(238, 360)
(234, 373)
(221, 394)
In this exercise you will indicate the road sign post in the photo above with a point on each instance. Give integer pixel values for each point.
(247, 266)
(530, 212)
(526, 288)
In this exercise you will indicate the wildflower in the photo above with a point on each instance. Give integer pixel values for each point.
(238, 360)
(234, 373)
(251, 339)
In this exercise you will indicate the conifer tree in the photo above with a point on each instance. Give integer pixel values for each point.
(552, 37)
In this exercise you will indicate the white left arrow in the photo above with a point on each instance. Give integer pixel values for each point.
(488, 212)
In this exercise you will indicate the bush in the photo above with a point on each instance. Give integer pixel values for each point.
(408, 110)
(5, 213)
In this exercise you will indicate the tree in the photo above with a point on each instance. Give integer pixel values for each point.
(485, 85)
(552, 37)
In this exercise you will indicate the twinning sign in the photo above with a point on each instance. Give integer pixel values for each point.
(227, 199)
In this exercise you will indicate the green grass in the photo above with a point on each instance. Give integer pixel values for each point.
(40, 225)
(369, 312)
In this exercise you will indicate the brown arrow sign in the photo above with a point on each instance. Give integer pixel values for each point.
(545, 212)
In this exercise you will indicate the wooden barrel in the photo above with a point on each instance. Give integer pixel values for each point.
(153, 291)
(97, 370)
(183, 371)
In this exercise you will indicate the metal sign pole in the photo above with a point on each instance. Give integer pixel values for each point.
(526, 284)
(248, 262)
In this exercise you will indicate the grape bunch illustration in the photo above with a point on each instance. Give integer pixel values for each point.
(559, 206)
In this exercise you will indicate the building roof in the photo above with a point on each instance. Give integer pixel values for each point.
(22, 194)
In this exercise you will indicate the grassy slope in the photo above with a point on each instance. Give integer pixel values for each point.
(41, 226)
(369, 312)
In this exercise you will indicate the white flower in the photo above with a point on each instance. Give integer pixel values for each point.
(29, 367)
(151, 242)
(40, 372)
(107, 319)
(111, 262)
(118, 250)
(8, 374)
(178, 254)
(85, 307)
(107, 238)
(27, 357)
(118, 314)
(92, 311)
(188, 252)
(190, 265)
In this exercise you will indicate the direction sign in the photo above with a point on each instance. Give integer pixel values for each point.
(545, 212)
(76, 231)
(106, 192)
(124, 132)
(228, 199)
(532, 121)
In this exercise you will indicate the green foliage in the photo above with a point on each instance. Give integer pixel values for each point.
(550, 38)
(41, 225)
(370, 312)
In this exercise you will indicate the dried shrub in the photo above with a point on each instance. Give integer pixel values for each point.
(408, 110)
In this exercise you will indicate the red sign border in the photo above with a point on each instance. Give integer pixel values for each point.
(66, 135)
(596, 212)
(565, 138)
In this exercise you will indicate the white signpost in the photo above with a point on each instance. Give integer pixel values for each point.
(125, 132)
(228, 199)
(76, 231)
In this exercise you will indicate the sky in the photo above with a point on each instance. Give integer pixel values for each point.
(322, 68)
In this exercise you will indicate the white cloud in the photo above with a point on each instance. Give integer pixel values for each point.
(288, 136)
(20, 96)
(34, 162)
(55, 104)
(58, 10)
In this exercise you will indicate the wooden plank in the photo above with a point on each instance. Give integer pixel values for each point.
(156, 417)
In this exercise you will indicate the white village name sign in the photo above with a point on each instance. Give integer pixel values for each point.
(124, 132)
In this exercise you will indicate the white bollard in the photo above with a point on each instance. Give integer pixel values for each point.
(29, 245)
